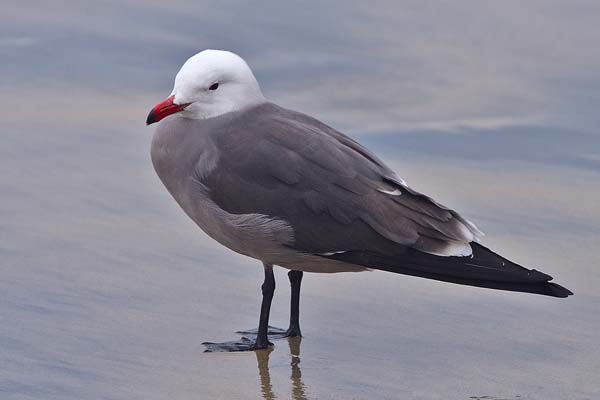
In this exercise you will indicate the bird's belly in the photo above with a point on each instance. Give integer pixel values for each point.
(255, 235)
(313, 263)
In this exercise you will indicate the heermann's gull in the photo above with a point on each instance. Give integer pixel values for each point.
(288, 190)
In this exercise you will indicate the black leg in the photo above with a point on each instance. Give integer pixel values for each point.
(268, 288)
(264, 330)
(295, 281)
(262, 341)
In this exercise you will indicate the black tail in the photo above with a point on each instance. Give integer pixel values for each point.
(483, 269)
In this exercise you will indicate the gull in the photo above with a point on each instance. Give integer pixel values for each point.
(288, 190)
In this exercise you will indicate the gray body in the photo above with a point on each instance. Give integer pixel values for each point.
(286, 189)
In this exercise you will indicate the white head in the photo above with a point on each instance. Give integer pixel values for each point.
(209, 84)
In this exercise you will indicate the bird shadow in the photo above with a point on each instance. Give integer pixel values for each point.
(262, 358)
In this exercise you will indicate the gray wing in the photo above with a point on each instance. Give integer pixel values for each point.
(336, 195)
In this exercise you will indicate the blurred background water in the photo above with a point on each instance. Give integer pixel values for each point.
(107, 289)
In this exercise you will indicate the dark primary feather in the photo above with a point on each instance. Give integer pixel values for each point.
(483, 269)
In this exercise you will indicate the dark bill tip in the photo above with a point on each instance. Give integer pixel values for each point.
(151, 118)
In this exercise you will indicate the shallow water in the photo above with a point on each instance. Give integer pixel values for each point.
(108, 290)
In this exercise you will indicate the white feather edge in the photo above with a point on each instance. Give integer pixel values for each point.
(453, 249)
(395, 192)
(332, 253)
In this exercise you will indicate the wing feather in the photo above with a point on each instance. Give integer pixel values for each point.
(335, 194)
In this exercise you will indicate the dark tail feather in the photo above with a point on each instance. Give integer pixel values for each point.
(483, 269)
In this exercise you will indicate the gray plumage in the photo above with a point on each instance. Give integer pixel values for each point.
(288, 190)
(292, 181)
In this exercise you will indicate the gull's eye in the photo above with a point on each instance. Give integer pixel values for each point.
(214, 86)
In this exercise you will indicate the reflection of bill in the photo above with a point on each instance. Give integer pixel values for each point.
(262, 358)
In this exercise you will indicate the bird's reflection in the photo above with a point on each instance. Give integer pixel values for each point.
(262, 358)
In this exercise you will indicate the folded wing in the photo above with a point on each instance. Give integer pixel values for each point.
(336, 194)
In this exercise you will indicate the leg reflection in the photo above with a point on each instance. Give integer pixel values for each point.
(298, 392)
(262, 358)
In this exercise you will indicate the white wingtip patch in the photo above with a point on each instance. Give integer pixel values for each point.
(462, 250)
(447, 249)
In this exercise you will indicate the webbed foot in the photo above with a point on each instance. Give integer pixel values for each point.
(244, 344)
(274, 332)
